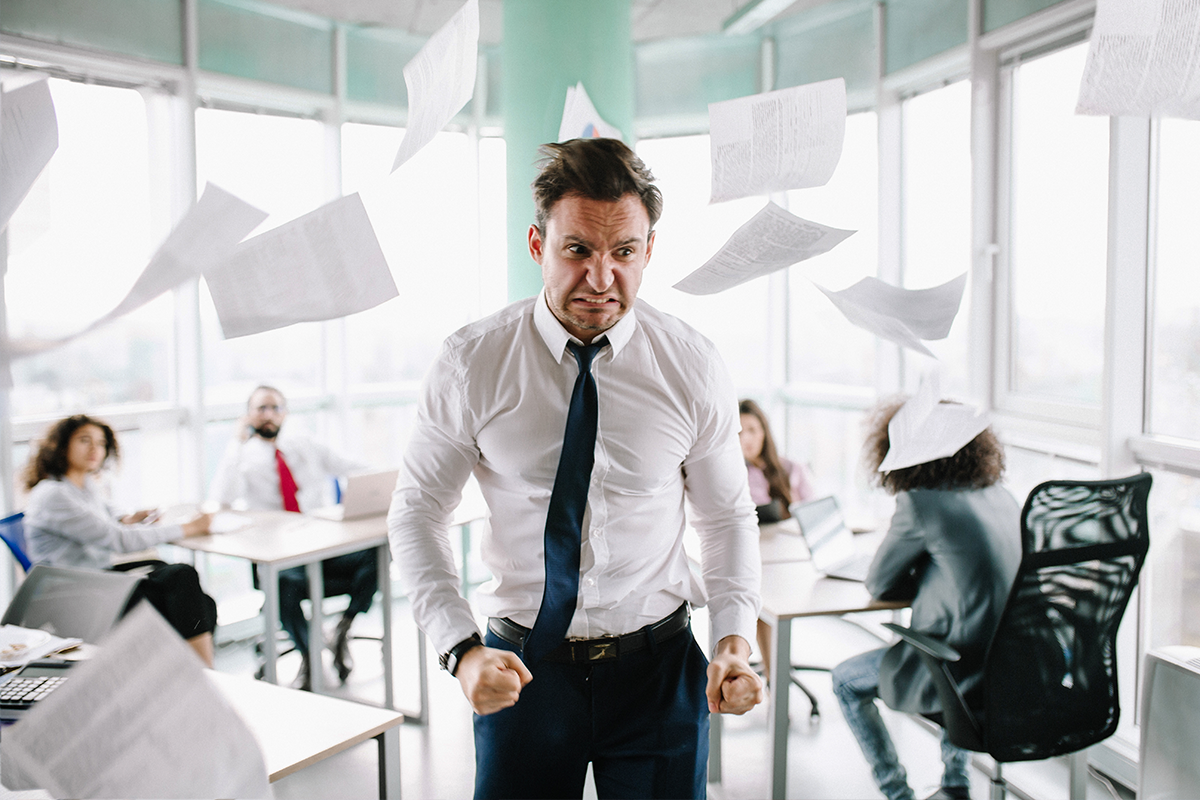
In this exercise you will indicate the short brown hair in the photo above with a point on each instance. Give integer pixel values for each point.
(49, 459)
(976, 465)
(598, 169)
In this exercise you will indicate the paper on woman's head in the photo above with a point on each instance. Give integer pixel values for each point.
(926, 429)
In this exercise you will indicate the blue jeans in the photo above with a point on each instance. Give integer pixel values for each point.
(856, 684)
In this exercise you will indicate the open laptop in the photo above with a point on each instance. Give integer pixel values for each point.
(71, 603)
(367, 494)
(829, 541)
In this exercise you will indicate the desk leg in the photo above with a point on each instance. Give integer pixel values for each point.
(777, 722)
(316, 627)
(383, 568)
(389, 763)
(464, 533)
(268, 578)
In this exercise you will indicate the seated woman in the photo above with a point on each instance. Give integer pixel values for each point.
(775, 483)
(953, 548)
(68, 523)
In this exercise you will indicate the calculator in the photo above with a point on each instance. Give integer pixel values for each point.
(33, 682)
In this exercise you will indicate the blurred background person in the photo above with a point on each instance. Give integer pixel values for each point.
(69, 523)
(953, 549)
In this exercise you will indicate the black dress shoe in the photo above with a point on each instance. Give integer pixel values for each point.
(303, 680)
(343, 662)
(951, 793)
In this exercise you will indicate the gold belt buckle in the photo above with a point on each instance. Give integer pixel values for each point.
(603, 649)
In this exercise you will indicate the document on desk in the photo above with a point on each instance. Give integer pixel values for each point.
(205, 237)
(28, 138)
(323, 265)
(926, 429)
(773, 142)
(903, 316)
(772, 240)
(1142, 60)
(139, 720)
(581, 120)
(440, 80)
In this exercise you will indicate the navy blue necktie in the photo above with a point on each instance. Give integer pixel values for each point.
(564, 520)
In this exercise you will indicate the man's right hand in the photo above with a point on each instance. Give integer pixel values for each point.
(491, 679)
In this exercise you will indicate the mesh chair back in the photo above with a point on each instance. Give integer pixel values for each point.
(12, 531)
(1051, 673)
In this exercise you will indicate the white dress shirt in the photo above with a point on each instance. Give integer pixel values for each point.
(495, 403)
(248, 477)
(67, 526)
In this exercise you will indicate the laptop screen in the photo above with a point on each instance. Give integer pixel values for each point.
(71, 603)
(824, 529)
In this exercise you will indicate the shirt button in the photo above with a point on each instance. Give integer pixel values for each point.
(590, 581)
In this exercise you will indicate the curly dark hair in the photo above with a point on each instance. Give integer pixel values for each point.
(49, 458)
(598, 169)
(977, 464)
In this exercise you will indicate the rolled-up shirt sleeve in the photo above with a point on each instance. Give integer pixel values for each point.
(437, 463)
(723, 514)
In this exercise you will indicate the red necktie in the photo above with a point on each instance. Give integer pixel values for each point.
(287, 484)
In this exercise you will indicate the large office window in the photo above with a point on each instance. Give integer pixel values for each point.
(1057, 239)
(1175, 368)
(937, 216)
(76, 245)
(824, 347)
(277, 164)
(689, 233)
(425, 218)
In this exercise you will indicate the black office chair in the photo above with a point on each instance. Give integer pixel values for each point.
(1050, 674)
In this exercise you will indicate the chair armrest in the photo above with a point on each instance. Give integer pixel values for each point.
(926, 644)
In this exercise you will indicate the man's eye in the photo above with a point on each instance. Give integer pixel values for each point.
(577, 249)
(625, 252)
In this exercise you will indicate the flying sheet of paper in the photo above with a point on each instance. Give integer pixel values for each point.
(903, 316)
(926, 429)
(138, 720)
(323, 265)
(440, 79)
(28, 138)
(581, 120)
(204, 238)
(1142, 60)
(772, 240)
(773, 142)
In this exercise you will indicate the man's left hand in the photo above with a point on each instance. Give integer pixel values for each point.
(733, 687)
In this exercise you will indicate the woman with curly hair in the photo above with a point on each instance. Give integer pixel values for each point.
(68, 523)
(953, 548)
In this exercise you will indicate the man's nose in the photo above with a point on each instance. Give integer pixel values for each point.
(600, 274)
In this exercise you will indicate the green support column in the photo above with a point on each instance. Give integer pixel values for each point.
(550, 45)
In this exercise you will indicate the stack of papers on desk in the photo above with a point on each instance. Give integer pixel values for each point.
(19, 646)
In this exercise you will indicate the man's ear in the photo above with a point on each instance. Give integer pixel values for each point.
(535, 244)
(649, 247)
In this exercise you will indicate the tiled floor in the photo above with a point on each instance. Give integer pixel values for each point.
(437, 758)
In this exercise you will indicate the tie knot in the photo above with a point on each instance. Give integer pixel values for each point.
(584, 353)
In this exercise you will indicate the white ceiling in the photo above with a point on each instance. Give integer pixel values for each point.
(652, 19)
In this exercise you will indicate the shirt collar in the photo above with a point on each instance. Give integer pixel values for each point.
(555, 336)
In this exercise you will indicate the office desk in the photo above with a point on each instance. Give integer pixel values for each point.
(297, 729)
(278, 540)
(781, 542)
(792, 590)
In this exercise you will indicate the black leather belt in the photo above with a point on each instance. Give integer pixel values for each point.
(605, 648)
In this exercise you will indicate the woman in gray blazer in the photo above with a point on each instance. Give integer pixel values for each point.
(953, 548)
